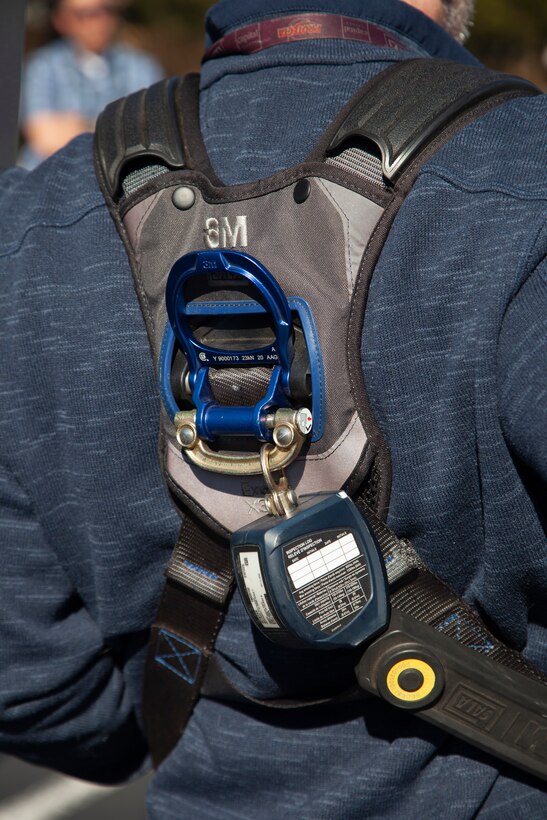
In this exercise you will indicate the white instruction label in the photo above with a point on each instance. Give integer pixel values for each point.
(249, 565)
(329, 578)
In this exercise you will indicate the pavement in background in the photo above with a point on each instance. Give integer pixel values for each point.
(31, 793)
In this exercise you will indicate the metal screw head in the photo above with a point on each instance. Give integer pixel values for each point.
(186, 436)
(183, 198)
(283, 435)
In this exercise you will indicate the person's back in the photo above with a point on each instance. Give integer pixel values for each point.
(451, 364)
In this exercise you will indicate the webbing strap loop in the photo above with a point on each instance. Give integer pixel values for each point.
(183, 636)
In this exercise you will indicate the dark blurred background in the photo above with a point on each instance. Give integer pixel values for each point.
(510, 35)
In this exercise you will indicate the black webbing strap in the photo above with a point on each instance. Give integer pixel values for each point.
(481, 690)
(425, 598)
(190, 614)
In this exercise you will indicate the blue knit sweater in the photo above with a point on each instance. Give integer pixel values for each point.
(453, 363)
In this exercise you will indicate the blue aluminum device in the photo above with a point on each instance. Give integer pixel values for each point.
(314, 578)
(212, 419)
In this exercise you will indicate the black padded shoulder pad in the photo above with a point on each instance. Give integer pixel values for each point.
(141, 125)
(407, 105)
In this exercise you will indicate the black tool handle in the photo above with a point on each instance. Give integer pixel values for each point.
(461, 690)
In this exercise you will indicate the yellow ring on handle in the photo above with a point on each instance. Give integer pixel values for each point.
(392, 679)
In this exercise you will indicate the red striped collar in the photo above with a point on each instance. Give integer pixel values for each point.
(289, 29)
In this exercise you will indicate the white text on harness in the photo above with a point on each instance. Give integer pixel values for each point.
(220, 234)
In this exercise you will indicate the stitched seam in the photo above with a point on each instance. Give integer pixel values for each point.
(218, 623)
(395, 204)
(16, 246)
(342, 440)
(146, 213)
(145, 304)
(315, 335)
(163, 658)
(339, 208)
(477, 189)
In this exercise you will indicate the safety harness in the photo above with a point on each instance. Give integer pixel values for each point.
(266, 430)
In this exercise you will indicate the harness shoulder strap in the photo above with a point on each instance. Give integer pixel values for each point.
(406, 113)
(133, 131)
(409, 104)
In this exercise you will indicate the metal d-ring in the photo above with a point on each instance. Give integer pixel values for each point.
(235, 463)
(274, 488)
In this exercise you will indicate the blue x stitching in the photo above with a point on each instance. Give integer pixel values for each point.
(485, 646)
(182, 669)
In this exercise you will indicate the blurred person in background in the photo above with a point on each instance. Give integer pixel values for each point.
(68, 82)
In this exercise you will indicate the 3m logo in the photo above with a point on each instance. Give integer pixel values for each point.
(474, 708)
(220, 234)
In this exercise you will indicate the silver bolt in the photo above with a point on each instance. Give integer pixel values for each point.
(183, 198)
(186, 436)
(283, 435)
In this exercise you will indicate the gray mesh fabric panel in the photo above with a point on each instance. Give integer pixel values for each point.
(359, 162)
(238, 386)
(136, 179)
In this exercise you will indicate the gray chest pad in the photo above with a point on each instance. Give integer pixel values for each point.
(314, 249)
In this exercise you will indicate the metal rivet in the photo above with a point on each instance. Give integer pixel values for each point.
(283, 435)
(183, 198)
(186, 436)
(301, 191)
